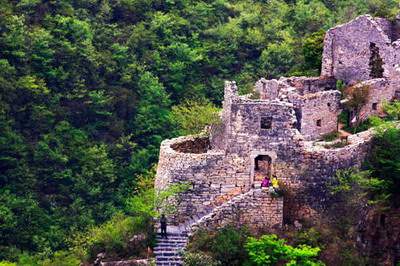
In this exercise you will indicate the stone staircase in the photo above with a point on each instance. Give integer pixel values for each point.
(169, 251)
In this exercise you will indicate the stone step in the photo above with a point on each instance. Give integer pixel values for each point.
(167, 253)
(168, 259)
(176, 253)
(176, 247)
(165, 248)
(172, 241)
(173, 238)
(169, 263)
(168, 247)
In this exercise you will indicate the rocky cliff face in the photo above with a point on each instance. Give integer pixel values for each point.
(379, 235)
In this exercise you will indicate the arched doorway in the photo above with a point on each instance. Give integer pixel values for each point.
(262, 168)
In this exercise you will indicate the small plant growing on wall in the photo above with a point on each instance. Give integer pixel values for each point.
(357, 97)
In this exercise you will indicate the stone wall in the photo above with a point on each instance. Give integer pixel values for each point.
(380, 91)
(348, 49)
(215, 177)
(312, 171)
(256, 209)
(317, 113)
(306, 85)
(218, 177)
(267, 89)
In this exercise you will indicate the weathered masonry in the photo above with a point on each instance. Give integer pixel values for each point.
(280, 134)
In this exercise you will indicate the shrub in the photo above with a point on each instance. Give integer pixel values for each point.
(392, 110)
(225, 245)
(330, 136)
(357, 97)
(192, 117)
(381, 179)
(7, 263)
(383, 163)
(62, 258)
(269, 250)
(111, 237)
(199, 259)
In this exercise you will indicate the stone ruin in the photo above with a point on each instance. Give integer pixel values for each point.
(280, 134)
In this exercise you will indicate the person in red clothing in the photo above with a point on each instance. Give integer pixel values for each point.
(266, 182)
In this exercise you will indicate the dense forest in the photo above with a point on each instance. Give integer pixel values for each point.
(89, 89)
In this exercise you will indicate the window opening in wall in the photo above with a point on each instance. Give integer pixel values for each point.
(266, 122)
(318, 122)
(329, 104)
(375, 106)
(375, 62)
(264, 86)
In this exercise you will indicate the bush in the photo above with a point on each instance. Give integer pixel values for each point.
(225, 245)
(7, 263)
(392, 110)
(383, 163)
(192, 117)
(111, 237)
(269, 250)
(199, 259)
(62, 258)
(330, 136)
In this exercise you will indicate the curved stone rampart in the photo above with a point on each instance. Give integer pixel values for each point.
(217, 177)
(214, 177)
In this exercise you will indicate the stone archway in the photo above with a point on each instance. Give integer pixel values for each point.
(261, 166)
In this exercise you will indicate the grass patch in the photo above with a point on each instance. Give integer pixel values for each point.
(330, 136)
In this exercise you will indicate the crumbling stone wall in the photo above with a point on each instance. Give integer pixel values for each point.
(213, 176)
(257, 209)
(380, 91)
(307, 85)
(267, 89)
(348, 48)
(317, 113)
(217, 177)
(316, 102)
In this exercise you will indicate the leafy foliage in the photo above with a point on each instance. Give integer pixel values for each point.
(192, 117)
(357, 97)
(269, 250)
(225, 246)
(381, 177)
(198, 259)
(87, 88)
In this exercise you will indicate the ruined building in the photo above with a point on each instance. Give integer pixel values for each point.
(280, 133)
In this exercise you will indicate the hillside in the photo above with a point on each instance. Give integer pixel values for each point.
(89, 89)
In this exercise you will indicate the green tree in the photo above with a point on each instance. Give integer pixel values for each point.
(269, 250)
(312, 50)
(193, 117)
